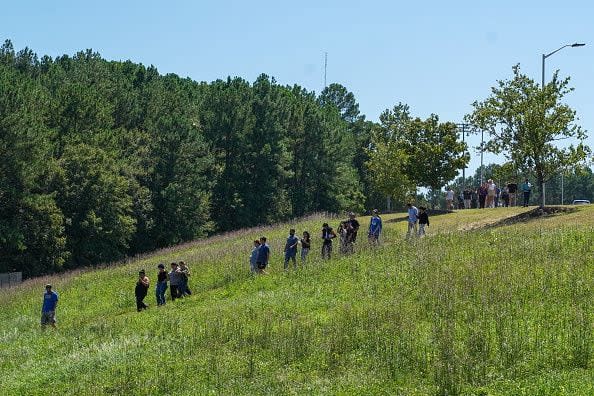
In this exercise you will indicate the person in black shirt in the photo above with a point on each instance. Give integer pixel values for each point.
(305, 246)
(327, 235)
(512, 189)
(142, 286)
(423, 220)
(467, 194)
(352, 228)
(162, 278)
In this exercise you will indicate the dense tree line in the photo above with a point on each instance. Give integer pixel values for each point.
(103, 159)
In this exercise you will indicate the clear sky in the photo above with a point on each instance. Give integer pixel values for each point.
(436, 56)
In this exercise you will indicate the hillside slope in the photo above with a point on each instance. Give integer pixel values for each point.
(494, 310)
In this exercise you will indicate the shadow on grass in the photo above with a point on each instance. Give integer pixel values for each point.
(524, 217)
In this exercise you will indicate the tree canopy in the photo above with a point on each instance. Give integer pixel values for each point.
(526, 122)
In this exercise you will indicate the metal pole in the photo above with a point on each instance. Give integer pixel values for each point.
(482, 167)
(463, 169)
(562, 187)
(543, 70)
(326, 67)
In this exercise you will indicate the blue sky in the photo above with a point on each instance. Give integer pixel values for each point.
(436, 56)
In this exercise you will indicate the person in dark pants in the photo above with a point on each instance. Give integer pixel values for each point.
(263, 256)
(162, 278)
(291, 249)
(48, 309)
(142, 286)
(175, 282)
(327, 235)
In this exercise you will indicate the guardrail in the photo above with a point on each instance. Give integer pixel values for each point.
(10, 279)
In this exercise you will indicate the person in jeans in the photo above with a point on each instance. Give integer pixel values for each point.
(327, 235)
(185, 270)
(291, 249)
(375, 228)
(48, 309)
(175, 281)
(526, 189)
(413, 218)
(305, 246)
(263, 256)
(162, 278)
(254, 257)
(141, 290)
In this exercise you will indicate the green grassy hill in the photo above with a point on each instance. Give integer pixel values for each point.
(470, 309)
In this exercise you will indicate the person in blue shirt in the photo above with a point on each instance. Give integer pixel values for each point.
(291, 249)
(375, 228)
(413, 218)
(48, 309)
(263, 256)
(254, 257)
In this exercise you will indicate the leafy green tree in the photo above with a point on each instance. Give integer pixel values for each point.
(337, 95)
(525, 121)
(422, 153)
(93, 196)
(31, 227)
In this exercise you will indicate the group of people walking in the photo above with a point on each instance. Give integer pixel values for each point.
(176, 279)
(346, 234)
(489, 195)
(417, 219)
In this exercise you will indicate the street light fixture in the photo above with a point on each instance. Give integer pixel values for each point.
(554, 52)
(543, 83)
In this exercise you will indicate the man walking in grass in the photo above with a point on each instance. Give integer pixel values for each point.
(413, 218)
(48, 309)
(291, 249)
(375, 228)
(263, 256)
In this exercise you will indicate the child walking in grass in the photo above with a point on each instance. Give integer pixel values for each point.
(305, 246)
(327, 235)
(423, 220)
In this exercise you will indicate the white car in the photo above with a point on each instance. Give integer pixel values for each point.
(580, 202)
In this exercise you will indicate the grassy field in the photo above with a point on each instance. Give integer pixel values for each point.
(470, 309)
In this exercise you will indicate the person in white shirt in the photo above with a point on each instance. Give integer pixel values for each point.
(450, 199)
(491, 192)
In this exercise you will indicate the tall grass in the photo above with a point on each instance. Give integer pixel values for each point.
(498, 311)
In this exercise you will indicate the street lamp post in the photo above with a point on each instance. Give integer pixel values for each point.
(542, 85)
(544, 57)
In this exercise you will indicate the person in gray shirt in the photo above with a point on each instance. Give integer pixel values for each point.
(176, 278)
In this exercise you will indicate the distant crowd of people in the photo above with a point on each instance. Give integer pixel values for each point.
(489, 195)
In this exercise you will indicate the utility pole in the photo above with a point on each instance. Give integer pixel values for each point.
(465, 128)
